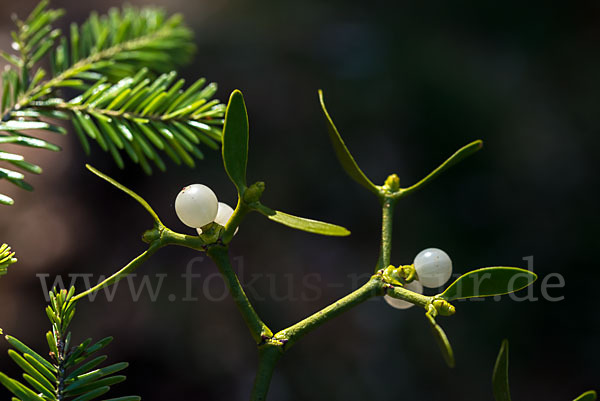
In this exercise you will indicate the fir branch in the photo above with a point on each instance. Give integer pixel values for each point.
(7, 258)
(72, 373)
(112, 61)
(141, 117)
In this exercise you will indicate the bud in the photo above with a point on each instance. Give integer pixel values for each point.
(392, 183)
(444, 307)
(253, 192)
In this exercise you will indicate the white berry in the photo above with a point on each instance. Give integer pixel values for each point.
(224, 213)
(413, 286)
(434, 267)
(196, 205)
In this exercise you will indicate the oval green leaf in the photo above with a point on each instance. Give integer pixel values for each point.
(500, 376)
(343, 154)
(442, 341)
(587, 396)
(301, 223)
(459, 155)
(235, 141)
(488, 282)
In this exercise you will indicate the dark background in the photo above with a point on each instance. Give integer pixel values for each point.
(407, 84)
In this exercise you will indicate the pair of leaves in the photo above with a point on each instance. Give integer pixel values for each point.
(235, 159)
(73, 373)
(351, 167)
(500, 378)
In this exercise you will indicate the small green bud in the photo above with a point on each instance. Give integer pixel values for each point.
(392, 275)
(392, 183)
(151, 235)
(253, 192)
(444, 307)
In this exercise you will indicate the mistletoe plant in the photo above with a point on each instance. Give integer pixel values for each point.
(500, 379)
(198, 207)
(118, 92)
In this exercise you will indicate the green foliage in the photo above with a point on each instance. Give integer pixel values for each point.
(109, 66)
(128, 191)
(500, 375)
(235, 141)
(7, 258)
(235, 160)
(458, 156)
(440, 338)
(73, 372)
(391, 189)
(488, 282)
(500, 378)
(587, 396)
(343, 154)
(303, 224)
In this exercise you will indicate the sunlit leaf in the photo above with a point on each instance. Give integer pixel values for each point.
(489, 281)
(235, 140)
(459, 155)
(300, 223)
(343, 154)
(587, 396)
(128, 191)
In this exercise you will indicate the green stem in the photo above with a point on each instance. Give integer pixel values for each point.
(267, 358)
(409, 296)
(259, 330)
(129, 268)
(387, 222)
(372, 288)
(235, 220)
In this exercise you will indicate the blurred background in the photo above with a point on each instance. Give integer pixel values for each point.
(407, 84)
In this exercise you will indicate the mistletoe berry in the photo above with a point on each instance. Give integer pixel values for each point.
(434, 267)
(196, 205)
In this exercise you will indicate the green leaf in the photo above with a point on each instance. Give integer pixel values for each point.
(488, 282)
(128, 191)
(29, 141)
(6, 200)
(343, 154)
(30, 369)
(18, 389)
(300, 223)
(441, 340)
(587, 396)
(19, 346)
(459, 155)
(235, 141)
(500, 376)
(93, 394)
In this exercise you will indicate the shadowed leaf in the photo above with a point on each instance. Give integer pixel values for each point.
(500, 376)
